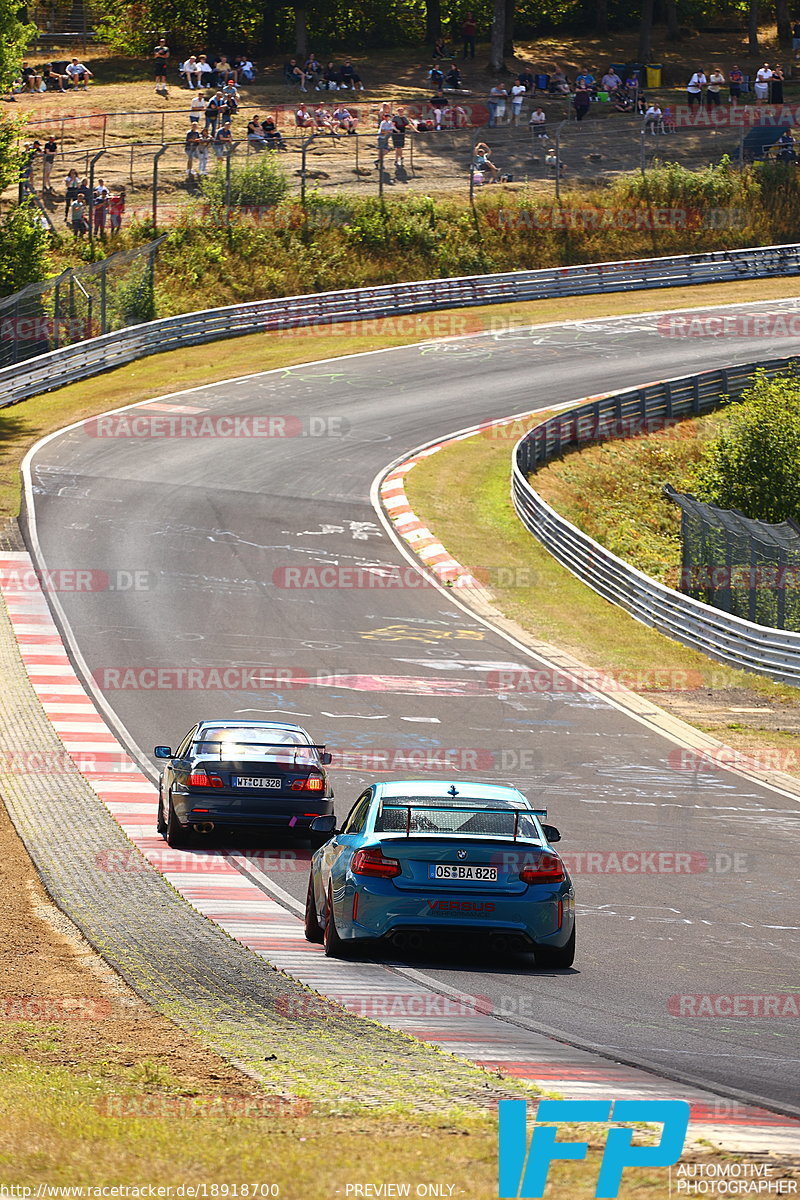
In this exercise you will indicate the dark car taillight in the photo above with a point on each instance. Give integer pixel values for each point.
(372, 862)
(203, 780)
(547, 869)
(313, 784)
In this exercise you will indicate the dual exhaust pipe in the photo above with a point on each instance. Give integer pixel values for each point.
(204, 827)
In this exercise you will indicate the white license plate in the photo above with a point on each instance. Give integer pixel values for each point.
(459, 872)
(257, 781)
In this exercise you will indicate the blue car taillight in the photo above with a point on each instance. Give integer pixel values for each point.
(547, 869)
(372, 862)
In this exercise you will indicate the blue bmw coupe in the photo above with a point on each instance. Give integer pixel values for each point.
(419, 858)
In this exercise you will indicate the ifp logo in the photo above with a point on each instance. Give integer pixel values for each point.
(523, 1167)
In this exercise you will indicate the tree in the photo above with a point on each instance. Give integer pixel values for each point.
(783, 22)
(601, 16)
(754, 463)
(673, 28)
(645, 31)
(508, 32)
(433, 20)
(752, 27)
(14, 37)
(497, 64)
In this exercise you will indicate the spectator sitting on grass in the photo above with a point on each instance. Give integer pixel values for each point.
(559, 84)
(610, 81)
(483, 163)
(453, 79)
(439, 49)
(189, 72)
(350, 77)
(436, 76)
(245, 69)
(526, 77)
(295, 74)
(586, 79)
(313, 70)
(31, 79)
(303, 118)
(538, 123)
(330, 77)
(204, 73)
(53, 80)
(343, 119)
(224, 70)
(79, 75)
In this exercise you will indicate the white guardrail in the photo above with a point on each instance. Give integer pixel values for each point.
(84, 359)
(726, 638)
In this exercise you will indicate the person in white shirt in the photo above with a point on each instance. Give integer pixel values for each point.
(246, 70)
(716, 81)
(189, 71)
(517, 96)
(694, 88)
(538, 122)
(761, 85)
(654, 119)
(385, 131)
(78, 73)
(203, 71)
(197, 108)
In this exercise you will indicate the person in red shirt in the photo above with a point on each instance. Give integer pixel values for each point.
(468, 31)
(116, 207)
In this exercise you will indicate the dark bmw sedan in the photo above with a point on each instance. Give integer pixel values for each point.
(237, 775)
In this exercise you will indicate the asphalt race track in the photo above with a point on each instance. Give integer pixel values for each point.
(215, 521)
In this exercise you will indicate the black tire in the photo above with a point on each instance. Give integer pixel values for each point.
(334, 946)
(313, 930)
(557, 956)
(177, 835)
(161, 825)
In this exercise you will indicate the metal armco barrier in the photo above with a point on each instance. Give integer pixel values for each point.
(731, 640)
(84, 359)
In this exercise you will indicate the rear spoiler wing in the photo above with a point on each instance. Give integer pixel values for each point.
(535, 812)
(287, 749)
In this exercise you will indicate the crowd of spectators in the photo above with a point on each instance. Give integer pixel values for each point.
(52, 77)
(329, 78)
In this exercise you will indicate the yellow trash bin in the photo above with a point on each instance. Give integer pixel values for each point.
(653, 75)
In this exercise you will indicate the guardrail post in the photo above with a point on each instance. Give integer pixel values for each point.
(695, 396)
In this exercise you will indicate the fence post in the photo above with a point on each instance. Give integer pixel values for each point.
(156, 157)
(97, 156)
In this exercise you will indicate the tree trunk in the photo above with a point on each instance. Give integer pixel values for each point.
(673, 29)
(301, 34)
(783, 22)
(433, 20)
(508, 33)
(601, 16)
(752, 28)
(497, 64)
(645, 31)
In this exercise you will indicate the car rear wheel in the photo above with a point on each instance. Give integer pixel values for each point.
(334, 946)
(314, 931)
(161, 825)
(177, 836)
(557, 956)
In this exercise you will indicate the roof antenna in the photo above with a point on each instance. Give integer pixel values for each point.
(452, 790)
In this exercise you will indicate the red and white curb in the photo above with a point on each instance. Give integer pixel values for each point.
(241, 894)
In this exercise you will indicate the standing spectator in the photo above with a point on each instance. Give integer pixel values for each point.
(197, 108)
(100, 207)
(796, 39)
(518, 90)
(497, 104)
(230, 101)
(49, 151)
(78, 73)
(72, 186)
(762, 82)
(776, 85)
(468, 31)
(438, 103)
(694, 89)
(116, 207)
(160, 65)
(77, 216)
(735, 81)
(203, 147)
(716, 82)
(213, 112)
(385, 131)
(401, 124)
(190, 146)
(223, 140)
(582, 99)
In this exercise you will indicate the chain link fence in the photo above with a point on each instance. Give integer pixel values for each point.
(82, 302)
(745, 567)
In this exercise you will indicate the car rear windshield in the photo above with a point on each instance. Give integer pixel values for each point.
(470, 819)
(274, 744)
